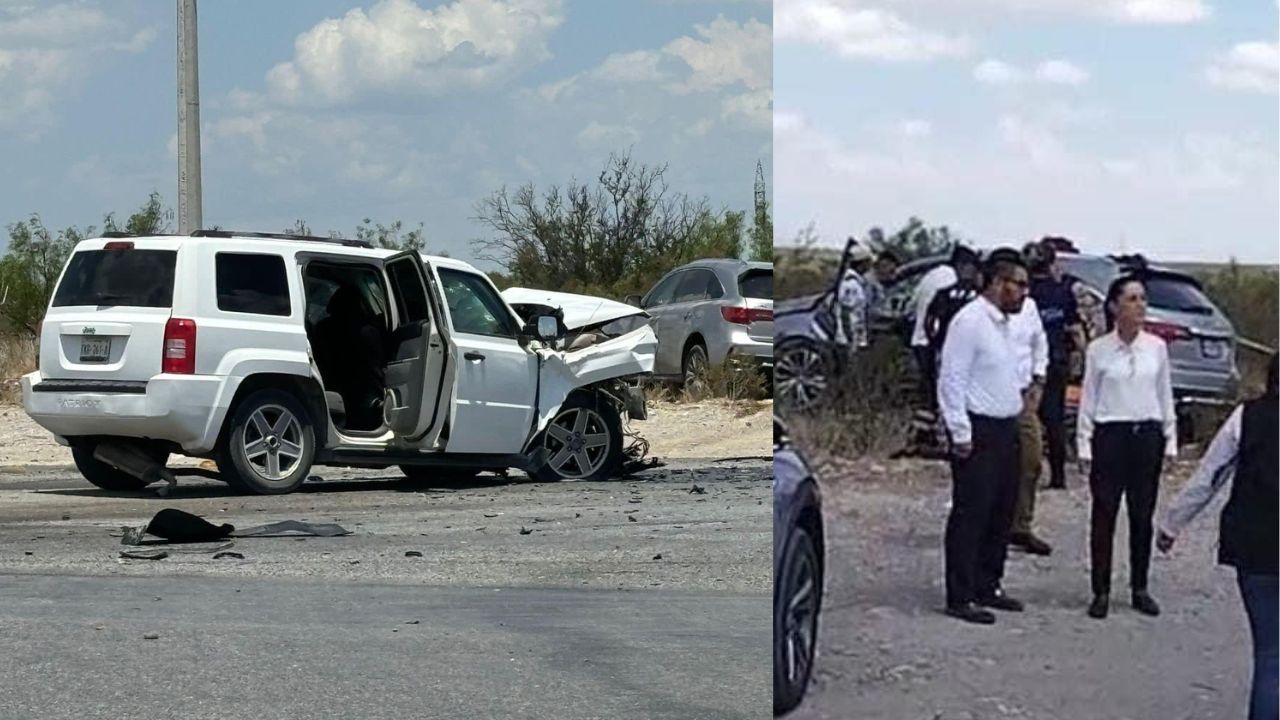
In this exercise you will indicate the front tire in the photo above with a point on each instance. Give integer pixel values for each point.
(803, 375)
(795, 620)
(270, 444)
(103, 475)
(583, 441)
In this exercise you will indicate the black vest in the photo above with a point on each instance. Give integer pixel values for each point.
(1249, 521)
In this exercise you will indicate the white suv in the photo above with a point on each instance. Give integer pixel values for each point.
(274, 353)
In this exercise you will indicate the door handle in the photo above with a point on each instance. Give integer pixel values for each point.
(473, 356)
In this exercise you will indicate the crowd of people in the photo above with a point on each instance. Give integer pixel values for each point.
(997, 339)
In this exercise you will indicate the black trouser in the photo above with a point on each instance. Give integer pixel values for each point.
(926, 363)
(983, 491)
(1127, 460)
(1052, 412)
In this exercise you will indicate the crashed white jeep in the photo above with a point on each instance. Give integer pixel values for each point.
(271, 354)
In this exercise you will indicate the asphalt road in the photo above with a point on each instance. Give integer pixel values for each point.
(646, 598)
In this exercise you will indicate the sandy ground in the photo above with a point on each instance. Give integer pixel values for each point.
(710, 429)
(887, 652)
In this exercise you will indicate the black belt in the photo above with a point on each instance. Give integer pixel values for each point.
(1134, 427)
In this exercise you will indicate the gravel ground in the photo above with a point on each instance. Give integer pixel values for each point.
(887, 652)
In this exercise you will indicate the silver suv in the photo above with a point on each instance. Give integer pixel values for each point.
(710, 311)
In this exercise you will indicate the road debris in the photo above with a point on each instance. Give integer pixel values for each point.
(144, 554)
(697, 490)
(228, 554)
(525, 531)
(412, 553)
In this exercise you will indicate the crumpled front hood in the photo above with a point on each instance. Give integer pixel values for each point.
(580, 311)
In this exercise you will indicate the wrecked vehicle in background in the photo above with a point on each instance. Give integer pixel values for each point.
(273, 353)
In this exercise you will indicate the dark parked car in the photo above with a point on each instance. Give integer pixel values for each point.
(799, 556)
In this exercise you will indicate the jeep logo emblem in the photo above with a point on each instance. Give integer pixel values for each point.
(89, 331)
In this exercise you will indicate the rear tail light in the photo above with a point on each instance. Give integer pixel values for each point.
(118, 246)
(746, 316)
(179, 347)
(1168, 332)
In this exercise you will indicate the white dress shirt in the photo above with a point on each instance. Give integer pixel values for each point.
(933, 281)
(1217, 469)
(1126, 382)
(979, 372)
(1031, 343)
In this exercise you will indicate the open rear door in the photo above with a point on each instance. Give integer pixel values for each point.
(419, 373)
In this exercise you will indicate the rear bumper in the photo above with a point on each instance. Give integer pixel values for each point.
(178, 409)
(743, 347)
(1199, 387)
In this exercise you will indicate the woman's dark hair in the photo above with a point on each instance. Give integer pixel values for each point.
(1114, 291)
(1271, 390)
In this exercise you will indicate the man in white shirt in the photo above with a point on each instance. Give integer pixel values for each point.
(960, 270)
(1033, 362)
(980, 396)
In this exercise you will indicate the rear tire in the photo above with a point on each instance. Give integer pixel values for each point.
(270, 444)
(103, 475)
(583, 440)
(694, 368)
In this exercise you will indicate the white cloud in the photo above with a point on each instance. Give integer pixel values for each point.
(724, 59)
(1252, 67)
(996, 72)
(1061, 72)
(47, 49)
(1130, 12)
(861, 32)
(607, 137)
(1054, 72)
(916, 128)
(399, 47)
(727, 54)
(630, 67)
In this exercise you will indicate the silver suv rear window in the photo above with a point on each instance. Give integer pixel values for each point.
(132, 278)
(757, 284)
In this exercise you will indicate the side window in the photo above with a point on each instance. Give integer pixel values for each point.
(715, 289)
(406, 282)
(474, 306)
(694, 286)
(661, 295)
(248, 283)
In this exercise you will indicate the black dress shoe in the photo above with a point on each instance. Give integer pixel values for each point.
(1000, 601)
(1030, 543)
(1098, 608)
(1145, 604)
(969, 612)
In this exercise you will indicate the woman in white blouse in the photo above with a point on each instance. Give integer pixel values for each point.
(1125, 429)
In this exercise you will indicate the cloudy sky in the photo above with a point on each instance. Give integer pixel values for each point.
(1143, 125)
(334, 110)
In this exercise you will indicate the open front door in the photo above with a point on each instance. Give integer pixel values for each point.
(419, 373)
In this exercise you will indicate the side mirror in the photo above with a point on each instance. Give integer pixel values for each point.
(633, 300)
(548, 328)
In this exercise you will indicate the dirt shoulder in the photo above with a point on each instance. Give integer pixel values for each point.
(710, 429)
(887, 652)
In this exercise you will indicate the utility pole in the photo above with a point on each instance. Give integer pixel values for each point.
(189, 212)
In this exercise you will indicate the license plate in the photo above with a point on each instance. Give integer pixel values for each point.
(95, 349)
(1213, 349)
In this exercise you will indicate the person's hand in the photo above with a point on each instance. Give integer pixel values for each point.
(1084, 466)
(1164, 541)
(1031, 398)
(962, 450)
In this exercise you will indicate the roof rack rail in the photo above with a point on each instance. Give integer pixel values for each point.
(348, 242)
(111, 234)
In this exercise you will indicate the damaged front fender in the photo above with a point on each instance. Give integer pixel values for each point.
(626, 356)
